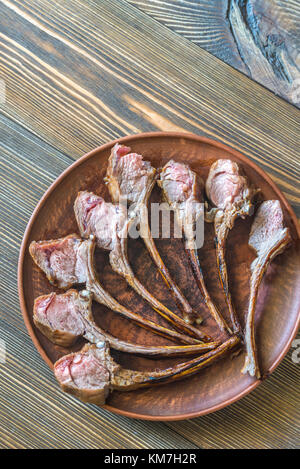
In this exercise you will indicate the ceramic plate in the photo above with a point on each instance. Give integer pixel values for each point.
(277, 315)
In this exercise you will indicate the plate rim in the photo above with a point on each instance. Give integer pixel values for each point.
(124, 140)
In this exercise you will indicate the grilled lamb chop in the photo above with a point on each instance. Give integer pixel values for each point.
(91, 373)
(66, 317)
(108, 223)
(229, 191)
(268, 237)
(68, 261)
(130, 178)
(62, 260)
(58, 317)
(87, 374)
(182, 189)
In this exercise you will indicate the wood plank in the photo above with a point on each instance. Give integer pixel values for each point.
(78, 74)
(258, 37)
(266, 418)
(76, 77)
(37, 415)
(33, 411)
(202, 22)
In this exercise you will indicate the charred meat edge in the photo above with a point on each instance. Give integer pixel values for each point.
(192, 252)
(96, 335)
(120, 264)
(101, 295)
(116, 194)
(117, 378)
(223, 222)
(259, 267)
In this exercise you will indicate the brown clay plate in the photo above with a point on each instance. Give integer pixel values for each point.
(277, 316)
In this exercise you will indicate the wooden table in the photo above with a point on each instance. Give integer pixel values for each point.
(80, 73)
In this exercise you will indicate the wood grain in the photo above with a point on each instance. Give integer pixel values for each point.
(258, 37)
(80, 73)
(202, 22)
(249, 423)
(33, 411)
(100, 82)
(258, 423)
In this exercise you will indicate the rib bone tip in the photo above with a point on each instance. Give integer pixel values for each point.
(85, 293)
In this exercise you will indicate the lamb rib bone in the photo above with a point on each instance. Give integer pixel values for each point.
(229, 191)
(63, 318)
(110, 225)
(182, 189)
(132, 179)
(268, 238)
(68, 261)
(92, 374)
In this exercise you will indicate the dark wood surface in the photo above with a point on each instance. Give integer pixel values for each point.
(258, 37)
(78, 74)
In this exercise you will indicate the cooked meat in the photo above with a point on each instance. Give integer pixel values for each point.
(77, 255)
(91, 373)
(61, 260)
(99, 218)
(90, 219)
(268, 237)
(130, 178)
(86, 374)
(226, 187)
(267, 228)
(230, 192)
(182, 188)
(58, 317)
(63, 318)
